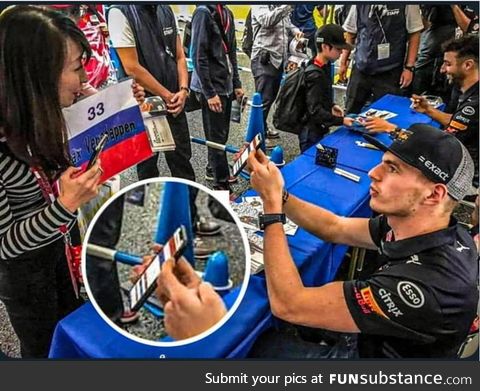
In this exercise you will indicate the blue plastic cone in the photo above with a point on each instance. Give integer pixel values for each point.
(174, 211)
(276, 156)
(216, 272)
(255, 120)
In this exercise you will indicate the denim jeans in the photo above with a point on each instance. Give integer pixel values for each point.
(291, 342)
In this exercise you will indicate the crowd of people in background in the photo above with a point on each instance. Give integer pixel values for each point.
(62, 52)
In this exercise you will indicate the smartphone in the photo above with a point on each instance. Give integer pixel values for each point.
(301, 45)
(242, 161)
(155, 106)
(147, 282)
(96, 153)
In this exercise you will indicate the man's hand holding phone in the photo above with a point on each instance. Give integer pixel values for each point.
(267, 180)
(146, 281)
(137, 270)
(183, 272)
(190, 305)
(242, 158)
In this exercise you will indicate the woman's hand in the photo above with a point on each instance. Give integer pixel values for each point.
(77, 188)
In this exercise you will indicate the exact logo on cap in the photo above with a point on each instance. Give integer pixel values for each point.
(433, 168)
(410, 294)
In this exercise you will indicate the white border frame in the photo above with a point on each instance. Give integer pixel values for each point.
(207, 332)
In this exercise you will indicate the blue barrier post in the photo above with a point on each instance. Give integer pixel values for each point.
(173, 211)
(276, 156)
(211, 144)
(217, 274)
(255, 120)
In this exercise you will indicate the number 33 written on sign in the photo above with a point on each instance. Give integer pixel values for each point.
(94, 111)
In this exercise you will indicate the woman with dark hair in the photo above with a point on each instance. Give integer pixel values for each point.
(42, 57)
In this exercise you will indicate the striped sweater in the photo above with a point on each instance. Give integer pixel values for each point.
(27, 222)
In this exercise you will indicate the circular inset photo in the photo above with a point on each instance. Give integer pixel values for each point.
(165, 261)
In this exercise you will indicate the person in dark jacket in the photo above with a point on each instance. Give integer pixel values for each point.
(322, 113)
(460, 65)
(439, 27)
(387, 38)
(215, 78)
(149, 46)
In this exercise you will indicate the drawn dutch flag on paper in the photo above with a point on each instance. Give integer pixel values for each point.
(114, 111)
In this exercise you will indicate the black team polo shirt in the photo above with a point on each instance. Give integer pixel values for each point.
(464, 122)
(422, 300)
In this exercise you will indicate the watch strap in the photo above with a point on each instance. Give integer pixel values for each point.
(186, 89)
(264, 220)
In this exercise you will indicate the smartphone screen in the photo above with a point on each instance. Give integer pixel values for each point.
(155, 106)
(147, 282)
(242, 161)
(96, 153)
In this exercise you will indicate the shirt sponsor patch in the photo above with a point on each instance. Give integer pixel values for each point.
(458, 125)
(468, 110)
(410, 294)
(369, 299)
(461, 247)
(414, 259)
(361, 302)
(462, 118)
(387, 299)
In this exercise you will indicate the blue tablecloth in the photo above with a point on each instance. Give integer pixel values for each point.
(351, 155)
(85, 334)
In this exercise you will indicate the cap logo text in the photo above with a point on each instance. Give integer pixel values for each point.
(433, 168)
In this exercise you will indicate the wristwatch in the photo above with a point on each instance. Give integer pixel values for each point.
(410, 68)
(264, 220)
(186, 89)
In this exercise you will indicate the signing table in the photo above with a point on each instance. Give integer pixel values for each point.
(84, 334)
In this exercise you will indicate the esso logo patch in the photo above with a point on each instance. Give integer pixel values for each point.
(410, 294)
(468, 110)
